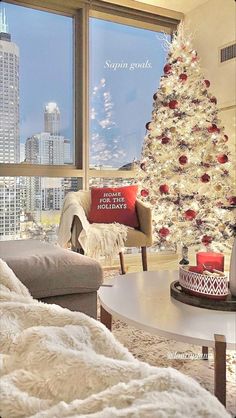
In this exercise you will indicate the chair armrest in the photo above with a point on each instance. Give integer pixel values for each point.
(145, 220)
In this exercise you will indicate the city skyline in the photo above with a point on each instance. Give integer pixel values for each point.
(43, 78)
(47, 71)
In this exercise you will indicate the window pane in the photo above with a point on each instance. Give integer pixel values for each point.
(30, 207)
(110, 182)
(125, 67)
(36, 101)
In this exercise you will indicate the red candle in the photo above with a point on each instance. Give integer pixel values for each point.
(211, 260)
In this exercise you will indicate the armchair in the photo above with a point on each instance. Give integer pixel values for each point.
(141, 237)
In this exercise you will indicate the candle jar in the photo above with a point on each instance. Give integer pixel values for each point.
(212, 261)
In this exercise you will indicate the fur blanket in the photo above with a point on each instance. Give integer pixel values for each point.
(96, 239)
(57, 363)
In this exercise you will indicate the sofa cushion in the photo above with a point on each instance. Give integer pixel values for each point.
(48, 270)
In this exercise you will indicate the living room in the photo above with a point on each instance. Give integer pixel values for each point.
(117, 201)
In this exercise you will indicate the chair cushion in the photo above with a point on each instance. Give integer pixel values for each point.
(48, 270)
(114, 204)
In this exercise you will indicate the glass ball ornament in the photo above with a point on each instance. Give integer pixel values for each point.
(164, 232)
(183, 77)
(167, 69)
(165, 140)
(222, 158)
(183, 159)
(205, 178)
(173, 104)
(164, 188)
(190, 214)
(207, 83)
(144, 193)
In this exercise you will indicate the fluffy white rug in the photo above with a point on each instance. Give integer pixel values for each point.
(57, 363)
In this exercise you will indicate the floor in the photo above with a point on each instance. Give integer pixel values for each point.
(157, 261)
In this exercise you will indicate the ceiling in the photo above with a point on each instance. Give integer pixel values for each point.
(183, 6)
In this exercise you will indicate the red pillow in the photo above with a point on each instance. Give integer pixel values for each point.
(114, 204)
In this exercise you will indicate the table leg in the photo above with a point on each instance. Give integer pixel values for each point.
(106, 318)
(220, 368)
(204, 353)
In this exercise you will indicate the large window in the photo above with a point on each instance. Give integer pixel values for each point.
(125, 67)
(30, 207)
(76, 87)
(36, 101)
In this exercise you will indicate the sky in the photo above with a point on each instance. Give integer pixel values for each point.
(45, 41)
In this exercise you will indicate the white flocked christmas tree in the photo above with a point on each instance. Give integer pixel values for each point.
(185, 171)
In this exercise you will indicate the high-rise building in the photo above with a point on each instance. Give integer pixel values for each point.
(52, 118)
(9, 131)
(44, 148)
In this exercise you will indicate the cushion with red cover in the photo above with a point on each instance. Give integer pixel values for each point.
(114, 204)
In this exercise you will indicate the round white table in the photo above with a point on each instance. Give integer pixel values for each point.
(143, 300)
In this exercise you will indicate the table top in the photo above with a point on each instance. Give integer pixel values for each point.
(143, 300)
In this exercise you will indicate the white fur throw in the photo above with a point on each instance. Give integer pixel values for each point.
(56, 363)
(96, 239)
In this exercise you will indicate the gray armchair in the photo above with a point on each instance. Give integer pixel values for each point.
(141, 237)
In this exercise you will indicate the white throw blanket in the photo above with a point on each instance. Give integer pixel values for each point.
(96, 239)
(56, 363)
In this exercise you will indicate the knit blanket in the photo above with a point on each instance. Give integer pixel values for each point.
(56, 363)
(96, 239)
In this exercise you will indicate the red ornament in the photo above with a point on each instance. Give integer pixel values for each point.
(207, 83)
(148, 126)
(206, 239)
(213, 129)
(222, 158)
(190, 214)
(144, 192)
(213, 100)
(164, 188)
(183, 159)
(183, 77)
(163, 232)
(167, 69)
(205, 178)
(232, 200)
(173, 104)
(165, 140)
(143, 166)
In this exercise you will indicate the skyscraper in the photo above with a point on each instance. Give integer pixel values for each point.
(9, 131)
(52, 118)
(47, 147)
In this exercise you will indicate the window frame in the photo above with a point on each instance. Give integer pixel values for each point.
(133, 14)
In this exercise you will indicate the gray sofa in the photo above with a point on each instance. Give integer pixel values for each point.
(55, 275)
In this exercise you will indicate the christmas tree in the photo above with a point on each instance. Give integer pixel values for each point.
(184, 172)
(105, 142)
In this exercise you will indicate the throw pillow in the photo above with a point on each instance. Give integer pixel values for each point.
(114, 204)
